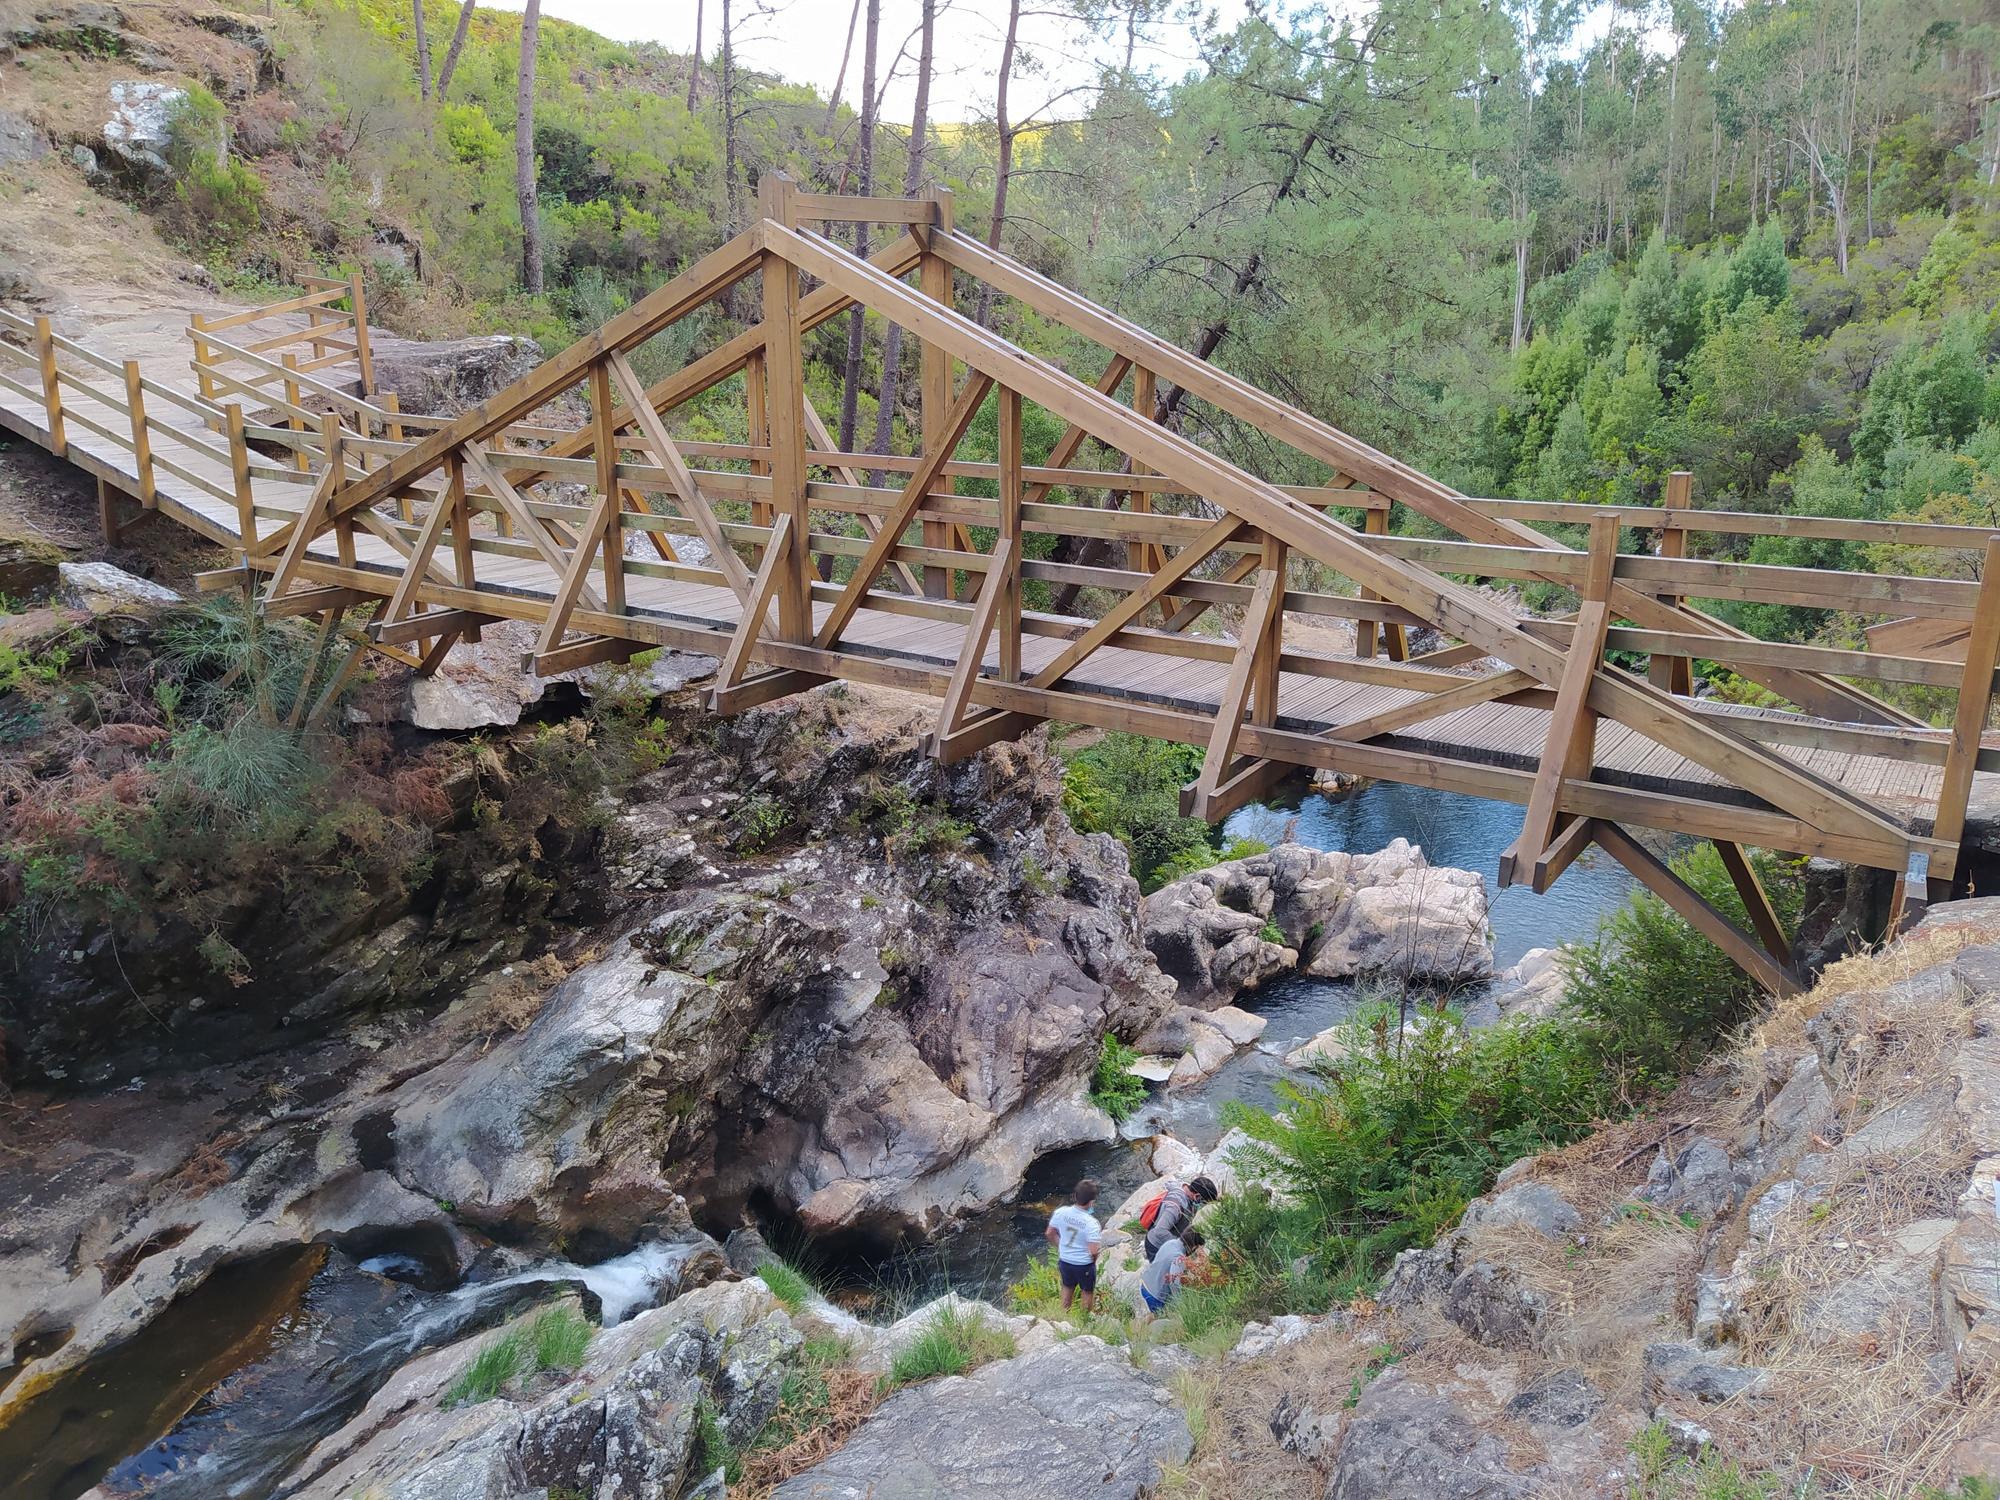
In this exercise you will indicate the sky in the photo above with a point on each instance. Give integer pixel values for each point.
(803, 41)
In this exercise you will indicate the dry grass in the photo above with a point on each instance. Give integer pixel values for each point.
(1236, 1455)
(851, 1396)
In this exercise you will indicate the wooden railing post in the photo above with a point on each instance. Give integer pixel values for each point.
(606, 445)
(393, 430)
(1142, 557)
(142, 437)
(362, 356)
(1375, 522)
(204, 382)
(1008, 624)
(784, 378)
(45, 356)
(294, 419)
(935, 382)
(1674, 673)
(1968, 724)
(239, 474)
(758, 421)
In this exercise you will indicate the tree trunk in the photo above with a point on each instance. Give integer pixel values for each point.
(457, 46)
(423, 51)
(857, 321)
(1520, 292)
(913, 180)
(694, 59)
(729, 205)
(524, 153)
(1004, 167)
(840, 78)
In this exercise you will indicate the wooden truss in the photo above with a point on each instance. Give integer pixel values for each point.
(779, 556)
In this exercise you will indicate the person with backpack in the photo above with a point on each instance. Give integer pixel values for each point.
(1163, 1278)
(1078, 1238)
(1172, 1211)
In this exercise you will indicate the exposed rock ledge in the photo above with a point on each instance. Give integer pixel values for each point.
(1332, 915)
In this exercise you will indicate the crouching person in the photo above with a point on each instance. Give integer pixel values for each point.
(1167, 1270)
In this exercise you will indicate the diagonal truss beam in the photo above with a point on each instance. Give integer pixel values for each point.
(702, 282)
(963, 410)
(667, 454)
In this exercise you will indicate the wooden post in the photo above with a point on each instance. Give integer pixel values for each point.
(142, 436)
(204, 382)
(1968, 724)
(45, 355)
(1143, 557)
(1375, 522)
(393, 430)
(785, 391)
(107, 512)
(294, 419)
(361, 354)
(461, 518)
(239, 474)
(606, 445)
(1570, 751)
(935, 383)
(1674, 674)
(1009, 518)
(755, 397)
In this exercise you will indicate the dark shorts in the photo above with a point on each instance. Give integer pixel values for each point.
(1078, 1278)
(1153, 1304)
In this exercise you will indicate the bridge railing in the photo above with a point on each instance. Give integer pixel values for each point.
(333, 336)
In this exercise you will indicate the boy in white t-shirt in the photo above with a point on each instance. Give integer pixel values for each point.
(1078, 1239)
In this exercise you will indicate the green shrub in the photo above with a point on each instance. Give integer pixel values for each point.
(1040, 1289)
(953, 1342)
(787, 1283)
(1386, 1146)
(1651, 994)
(1130, 787)
(1113, 1087)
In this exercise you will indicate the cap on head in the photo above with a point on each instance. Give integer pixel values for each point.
(1203, 1189)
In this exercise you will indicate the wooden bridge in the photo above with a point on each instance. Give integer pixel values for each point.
(796, 564)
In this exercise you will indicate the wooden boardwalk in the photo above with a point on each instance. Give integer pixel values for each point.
(779, 557)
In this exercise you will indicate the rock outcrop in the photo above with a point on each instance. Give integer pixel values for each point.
(1232, 927)
(448, 377)
(873, 1035)
(625, 1422)
(1073, 1419)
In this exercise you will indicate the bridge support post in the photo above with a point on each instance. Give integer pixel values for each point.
(52, 409)
(1570, 750)
(1251, 692)
(935, 382)
(1674, 674)
(1968, 724)
(142, 433)
(1649, 870)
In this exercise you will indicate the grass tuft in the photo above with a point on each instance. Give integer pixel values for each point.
(953, 1342)
(787, 1283)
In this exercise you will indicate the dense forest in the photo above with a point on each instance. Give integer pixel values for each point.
(1542, 248)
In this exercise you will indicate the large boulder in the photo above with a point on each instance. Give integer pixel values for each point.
(448, 377)
(622, 1424)
(1232, 927)
(138, 133)
(1073, 1419)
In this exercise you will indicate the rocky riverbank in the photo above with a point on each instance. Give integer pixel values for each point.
(1782, 1269)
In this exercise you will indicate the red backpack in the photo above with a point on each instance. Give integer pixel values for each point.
(1149, 1214)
